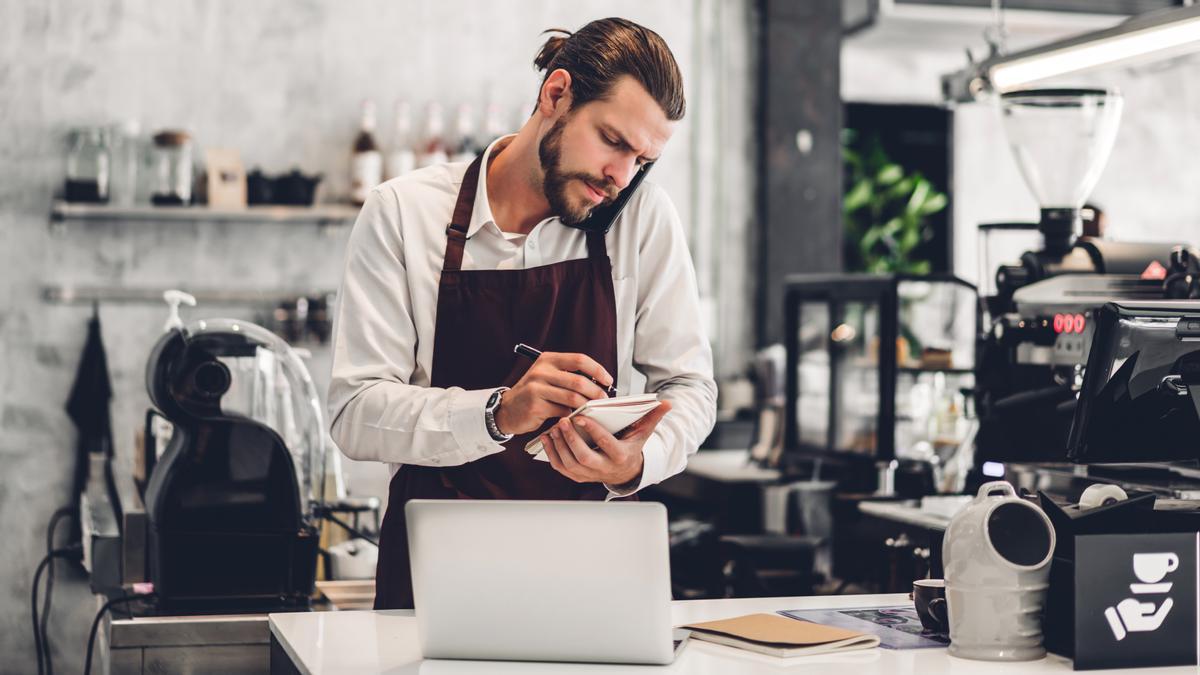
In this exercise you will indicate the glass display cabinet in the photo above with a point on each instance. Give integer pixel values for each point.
(850, 396)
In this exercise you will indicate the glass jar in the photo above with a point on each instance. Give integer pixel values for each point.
(88, 166)
(126, 151)
(171, 169)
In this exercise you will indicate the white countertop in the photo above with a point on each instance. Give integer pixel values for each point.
(324, 643)
(911, 515)
(730, 466)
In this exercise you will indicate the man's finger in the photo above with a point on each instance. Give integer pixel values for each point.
(576, 383)
(581, 362)
(551, 453)
(570, 468)
(607, 443)
(579, 448)
(647, 423)
(568, 399)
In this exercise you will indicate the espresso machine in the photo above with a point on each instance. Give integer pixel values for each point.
(1140, 400)
(1038, 325)
(234, 501)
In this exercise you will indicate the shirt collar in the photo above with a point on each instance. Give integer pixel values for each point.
(481, 214)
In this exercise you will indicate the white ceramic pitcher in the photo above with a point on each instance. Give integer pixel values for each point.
(996, 555)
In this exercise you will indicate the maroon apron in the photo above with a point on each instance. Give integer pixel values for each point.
(481, 314)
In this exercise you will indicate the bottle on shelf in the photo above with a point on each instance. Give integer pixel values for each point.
(465, 144)
(493, 124)
(433, 140)
(126, 159)
(366, 165)
(401, 157)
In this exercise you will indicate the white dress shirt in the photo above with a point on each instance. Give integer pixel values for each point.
(381, 404)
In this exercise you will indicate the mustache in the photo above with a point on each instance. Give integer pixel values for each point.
(602, 186)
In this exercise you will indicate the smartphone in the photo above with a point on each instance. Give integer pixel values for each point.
(602, 217)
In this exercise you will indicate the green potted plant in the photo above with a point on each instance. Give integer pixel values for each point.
(885, 210)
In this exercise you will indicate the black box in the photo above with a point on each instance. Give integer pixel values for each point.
(1123, 585)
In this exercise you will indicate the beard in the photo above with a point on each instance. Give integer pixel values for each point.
(555, 180)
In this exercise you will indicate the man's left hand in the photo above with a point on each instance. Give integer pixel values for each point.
(615, 461)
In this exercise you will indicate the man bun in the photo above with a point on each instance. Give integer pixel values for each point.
(551, 49)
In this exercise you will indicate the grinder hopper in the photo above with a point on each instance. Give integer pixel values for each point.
(1061, 139)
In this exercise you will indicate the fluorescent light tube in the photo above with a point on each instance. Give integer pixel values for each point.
(1161, 41)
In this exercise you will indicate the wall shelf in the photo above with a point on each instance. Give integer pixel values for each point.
(917, 370)
(70, 294)
(324, 214)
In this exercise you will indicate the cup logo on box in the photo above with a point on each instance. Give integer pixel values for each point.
(1152, 567)
(1134, 615)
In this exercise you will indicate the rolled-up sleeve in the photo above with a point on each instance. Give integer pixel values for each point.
(375, 412)
(670, 346)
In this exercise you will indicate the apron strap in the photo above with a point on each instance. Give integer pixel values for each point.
(460, 222)
(597, 248)
(456, 232)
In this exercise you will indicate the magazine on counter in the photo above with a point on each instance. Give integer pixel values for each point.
(897, 627)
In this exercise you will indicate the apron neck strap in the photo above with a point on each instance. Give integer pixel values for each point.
(456, 232)
(460, 222)
(597, 248)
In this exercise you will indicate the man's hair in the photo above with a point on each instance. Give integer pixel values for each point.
(603, 51)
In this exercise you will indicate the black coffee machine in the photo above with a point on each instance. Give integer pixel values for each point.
(1140, 400)
(1038, 328)
(234, 500)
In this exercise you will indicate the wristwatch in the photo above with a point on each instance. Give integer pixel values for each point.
(489, 416)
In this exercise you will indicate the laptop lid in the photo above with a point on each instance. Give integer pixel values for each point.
(541, 580)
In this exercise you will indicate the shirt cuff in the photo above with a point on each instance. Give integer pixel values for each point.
(467, 423)
(654, 465)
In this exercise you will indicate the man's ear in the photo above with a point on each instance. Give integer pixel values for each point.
(555, 95)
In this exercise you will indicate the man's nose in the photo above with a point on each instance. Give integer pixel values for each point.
(621, 172)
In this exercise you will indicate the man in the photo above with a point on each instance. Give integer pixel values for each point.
(424, 374)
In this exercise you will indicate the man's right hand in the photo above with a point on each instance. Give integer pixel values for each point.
(552, 387)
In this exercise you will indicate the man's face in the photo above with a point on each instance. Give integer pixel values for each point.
(593, 151)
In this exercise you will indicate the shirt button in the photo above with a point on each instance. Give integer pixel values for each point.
(533, 244)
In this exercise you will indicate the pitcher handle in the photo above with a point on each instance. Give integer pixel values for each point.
(987, 489)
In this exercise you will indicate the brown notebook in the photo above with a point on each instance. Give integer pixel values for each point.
(781, 636)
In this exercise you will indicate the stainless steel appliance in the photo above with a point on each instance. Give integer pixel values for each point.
(1038, 328)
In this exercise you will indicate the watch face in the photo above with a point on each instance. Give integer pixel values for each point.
(493, 400)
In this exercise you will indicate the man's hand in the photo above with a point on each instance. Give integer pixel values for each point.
(615, 461)
(550, 388)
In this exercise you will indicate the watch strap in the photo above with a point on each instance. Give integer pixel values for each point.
(489, 417)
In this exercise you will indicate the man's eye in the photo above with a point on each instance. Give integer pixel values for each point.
(610, 141)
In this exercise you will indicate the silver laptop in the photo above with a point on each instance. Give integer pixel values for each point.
(542, 581)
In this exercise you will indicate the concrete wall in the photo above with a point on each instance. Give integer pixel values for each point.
(281, 81)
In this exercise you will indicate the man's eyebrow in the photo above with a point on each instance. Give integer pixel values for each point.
(623, 141)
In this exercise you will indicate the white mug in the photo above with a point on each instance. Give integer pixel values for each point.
(1152, 567)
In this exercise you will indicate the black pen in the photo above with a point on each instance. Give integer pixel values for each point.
(533, 354)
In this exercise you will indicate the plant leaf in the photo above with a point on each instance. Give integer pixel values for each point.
(858, 196)
(919, 194)
(936, 202)
(889, 174)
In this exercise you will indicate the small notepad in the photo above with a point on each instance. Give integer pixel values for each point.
(613, 414)
(777, 635)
